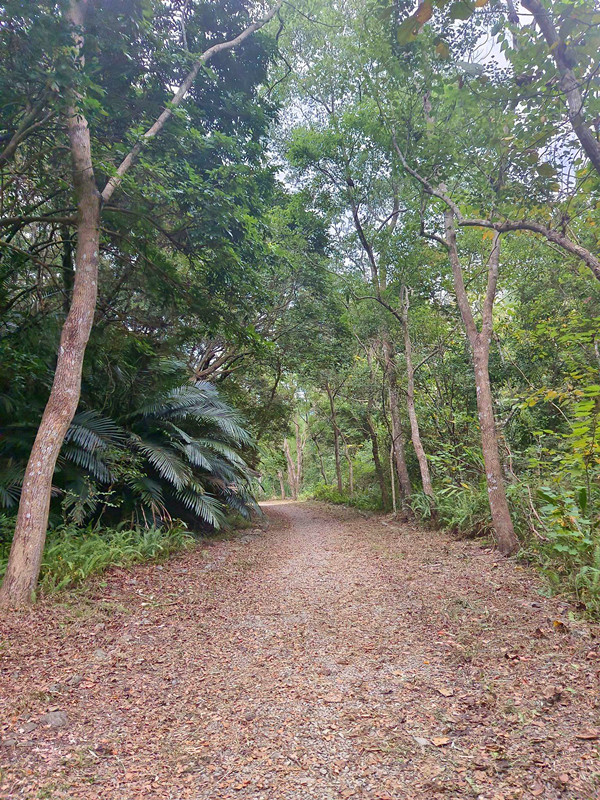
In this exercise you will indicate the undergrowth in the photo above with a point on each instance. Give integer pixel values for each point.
(557, 530)
(72, 555)
(363, 499)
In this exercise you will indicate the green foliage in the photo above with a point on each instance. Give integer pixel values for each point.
(72, 555)
(176, 456)
(365, 500)
(464, 510)
(329, 494)
(568, 543)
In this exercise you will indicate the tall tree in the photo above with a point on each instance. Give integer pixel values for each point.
(28, 542)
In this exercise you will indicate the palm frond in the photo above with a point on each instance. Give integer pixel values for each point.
(91, 431)
(11, 480)
(206, 506)
(166, 462)
(89, 461)
(223, 449)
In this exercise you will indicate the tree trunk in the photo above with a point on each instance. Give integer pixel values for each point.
(321, 465)
(301, 437)
(393, 479)
(507, 540)
(385, 499)
(336, 440)
(281, 484)
(480, 350)
(397, 437)
(32, 520)
(350, 466)
(291, 468)
(410, 402)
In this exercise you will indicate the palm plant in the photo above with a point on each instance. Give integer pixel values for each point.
(189, 439)
(176, 456)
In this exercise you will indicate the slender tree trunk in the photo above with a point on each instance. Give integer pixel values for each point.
(321, 464)
(281, 484)
(392, 478)
(385, 499)
(292, 477)
(32, 519)
(397, 436)
(480, 349)
(507, 540)
(336, 439)
(350, 465)
(301, 437)
(410, 402)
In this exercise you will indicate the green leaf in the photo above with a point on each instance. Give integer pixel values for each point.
(461, 10)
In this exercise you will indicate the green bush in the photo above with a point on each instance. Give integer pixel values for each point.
(464, 510)
(365, 499)
(71, 555)
(329, 494)
(567, 543)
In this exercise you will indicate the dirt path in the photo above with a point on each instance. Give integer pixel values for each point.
(332, 657)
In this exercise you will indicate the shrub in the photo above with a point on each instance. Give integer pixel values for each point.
(464, 510)
(365, 499)
(329, 494)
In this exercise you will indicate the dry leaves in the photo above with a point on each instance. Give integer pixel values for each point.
(309, 663)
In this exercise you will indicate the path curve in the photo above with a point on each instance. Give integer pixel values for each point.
(331, 657)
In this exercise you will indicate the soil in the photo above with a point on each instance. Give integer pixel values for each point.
(332, 656)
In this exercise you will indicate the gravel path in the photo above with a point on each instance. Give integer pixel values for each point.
(330, 657)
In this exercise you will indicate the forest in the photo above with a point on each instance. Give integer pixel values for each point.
(346, 251)
(299, 399)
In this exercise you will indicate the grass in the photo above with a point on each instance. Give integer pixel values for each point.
(72, 555)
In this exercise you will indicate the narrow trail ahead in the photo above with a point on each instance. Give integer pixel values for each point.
(331, 657)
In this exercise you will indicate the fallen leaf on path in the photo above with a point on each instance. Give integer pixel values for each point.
(446, 692)
(590, 733)
(440, 741)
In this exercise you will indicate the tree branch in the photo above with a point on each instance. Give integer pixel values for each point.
(116, 180)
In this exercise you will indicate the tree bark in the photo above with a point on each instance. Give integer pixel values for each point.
(30, 533)
(410, 402)
(281, 484)
(397, 435)
(385, 498)
(291, 468)
(32, 519)
(350, 465)
(480, 349)
(392, 478)
(336, 439)
(301, 437)
(321, 464)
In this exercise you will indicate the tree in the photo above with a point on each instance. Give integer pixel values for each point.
(26, 552)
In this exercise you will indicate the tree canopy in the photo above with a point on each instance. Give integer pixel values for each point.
(344, 250)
